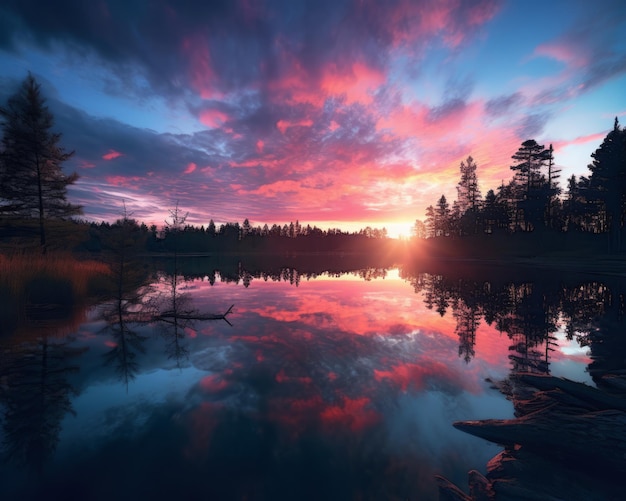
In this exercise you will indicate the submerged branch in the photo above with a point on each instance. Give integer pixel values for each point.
(193, 315)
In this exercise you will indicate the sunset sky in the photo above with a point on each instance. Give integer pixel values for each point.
(339, 113)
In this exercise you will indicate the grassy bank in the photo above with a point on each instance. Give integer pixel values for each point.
(18, 272)
(44, 287)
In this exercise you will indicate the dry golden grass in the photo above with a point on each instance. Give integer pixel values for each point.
(19, 270)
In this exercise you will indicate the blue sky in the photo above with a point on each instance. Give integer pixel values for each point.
(337, 113)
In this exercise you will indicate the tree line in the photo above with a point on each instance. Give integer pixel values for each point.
(231, 238)
(533, 201)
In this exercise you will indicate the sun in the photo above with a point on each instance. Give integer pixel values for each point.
(398, 229)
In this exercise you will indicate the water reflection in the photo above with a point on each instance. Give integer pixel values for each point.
(325, 385)
(531, 311)
(567, 440)
(36, 395)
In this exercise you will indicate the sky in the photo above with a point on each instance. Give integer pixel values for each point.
(336, 113)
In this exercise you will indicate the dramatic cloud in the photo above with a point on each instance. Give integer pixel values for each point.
(342, 111)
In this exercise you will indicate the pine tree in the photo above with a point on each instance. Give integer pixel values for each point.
(468, 191)
(531, 157)
(608, 182)
(32, 182)
(552, 188)
(443, 217)
(431, 228)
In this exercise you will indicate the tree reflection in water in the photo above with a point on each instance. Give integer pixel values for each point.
(568, 439)
(36, 395)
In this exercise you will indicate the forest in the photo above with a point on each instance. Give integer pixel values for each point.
(532, 212)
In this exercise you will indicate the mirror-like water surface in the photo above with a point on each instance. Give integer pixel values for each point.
(325, 387)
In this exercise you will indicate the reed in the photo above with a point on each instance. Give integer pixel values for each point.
(19, 272)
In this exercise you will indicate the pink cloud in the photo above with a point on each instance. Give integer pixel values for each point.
(126, 181)
(357, 84)
(564, 52)
(596, 138)
(259, 146)
(84, 164)
(201, 74)
(112, 155)
(452, 20)
(213, 118)
(283, 125)
(190, 168)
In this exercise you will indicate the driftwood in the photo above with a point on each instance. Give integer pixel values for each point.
(194, 316)
(171, 316)
(581, 391)
(592, 437)
(568, 442)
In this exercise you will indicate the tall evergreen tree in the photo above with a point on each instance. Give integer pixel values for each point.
(552, 190)
(530, 159)
(468, 191)
(431, 228)
(32, 182)
(443, 217)
(608, 182)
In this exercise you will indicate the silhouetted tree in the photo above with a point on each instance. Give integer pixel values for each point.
(608, 183)
(553, 190)
(419, 229)
(210, 230)
(468, 191)
(431, 227)
(246, 228)
(32, 184)
(530, 157)
(442, 217)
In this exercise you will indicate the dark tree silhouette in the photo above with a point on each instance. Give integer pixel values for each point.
(443, 217)
(468, 191)
(32, 182)
(530, 157)
(553, 191)
(419, 229)
(608, 183)
(495, 217)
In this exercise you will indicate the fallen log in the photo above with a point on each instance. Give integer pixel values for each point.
(589, 394)
(594, 437)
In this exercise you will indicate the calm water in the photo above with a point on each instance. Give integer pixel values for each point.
(325, 387)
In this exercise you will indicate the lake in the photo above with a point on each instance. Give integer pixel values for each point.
(340, 385)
